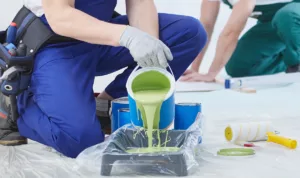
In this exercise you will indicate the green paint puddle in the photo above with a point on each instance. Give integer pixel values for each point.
(150, 90)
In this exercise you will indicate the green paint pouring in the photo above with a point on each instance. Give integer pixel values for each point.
(150, 90)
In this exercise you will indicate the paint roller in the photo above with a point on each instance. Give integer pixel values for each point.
(256, 131)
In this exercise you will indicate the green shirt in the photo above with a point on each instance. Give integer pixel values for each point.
(264, 9)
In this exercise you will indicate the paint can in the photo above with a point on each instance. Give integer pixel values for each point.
(186, 114)
(117, 104)
(150, 77)
(124, 117)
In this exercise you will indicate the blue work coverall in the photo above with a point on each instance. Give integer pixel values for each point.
(58, 109)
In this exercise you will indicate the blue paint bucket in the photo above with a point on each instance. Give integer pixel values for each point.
(139, 80)
(186, 114)
(124, 117)
(117, 104)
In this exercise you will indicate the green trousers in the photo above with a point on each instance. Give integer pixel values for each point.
(268, 47)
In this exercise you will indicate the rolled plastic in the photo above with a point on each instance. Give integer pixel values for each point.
(252, 131)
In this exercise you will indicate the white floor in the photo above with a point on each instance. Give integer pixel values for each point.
(279, 105)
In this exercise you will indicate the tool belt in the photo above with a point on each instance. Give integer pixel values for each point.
(16, 68)
(34, 34)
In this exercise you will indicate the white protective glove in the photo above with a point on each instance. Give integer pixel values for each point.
(145, 49)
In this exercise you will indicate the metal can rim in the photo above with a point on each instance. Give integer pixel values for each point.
(122, 100)
(124, 110)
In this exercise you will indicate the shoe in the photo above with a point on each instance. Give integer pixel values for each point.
(9, 134)
(103, 113)
(293, 69)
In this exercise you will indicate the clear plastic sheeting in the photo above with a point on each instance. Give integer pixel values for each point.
(280, 106)
(34, 161)
(173, 152)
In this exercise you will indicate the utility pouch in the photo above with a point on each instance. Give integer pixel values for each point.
(17, 56)
(31, 35)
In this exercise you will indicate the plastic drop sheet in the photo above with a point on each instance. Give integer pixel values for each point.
(113, 158)
(278, 105)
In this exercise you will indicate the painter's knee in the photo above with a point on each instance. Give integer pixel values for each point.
(195, 33)
(71, 142)
(232, 69)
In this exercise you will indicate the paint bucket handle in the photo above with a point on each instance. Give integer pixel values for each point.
(136, 68)
(171, 71)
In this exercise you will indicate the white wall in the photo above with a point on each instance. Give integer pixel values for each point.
(185, 7)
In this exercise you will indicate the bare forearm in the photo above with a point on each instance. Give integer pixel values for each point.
(229, 37)
(70, 22)
(142, 14)
(198, 60)
(225, 48)
(209, 14)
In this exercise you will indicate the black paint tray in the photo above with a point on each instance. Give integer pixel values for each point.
(124, 139)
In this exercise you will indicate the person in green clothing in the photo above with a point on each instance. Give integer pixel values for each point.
(271, 46)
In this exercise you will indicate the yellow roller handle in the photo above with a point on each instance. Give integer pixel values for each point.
(281, 140)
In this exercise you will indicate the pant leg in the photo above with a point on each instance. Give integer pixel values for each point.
(184, 35)
(287, 24)
(59, 108)
(258, 52)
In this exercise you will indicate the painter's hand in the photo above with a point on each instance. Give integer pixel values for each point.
(145, 49)
(196, 77)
